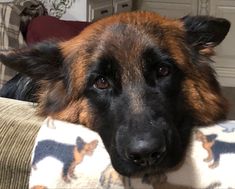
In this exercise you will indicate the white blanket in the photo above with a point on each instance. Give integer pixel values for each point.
(71, 156)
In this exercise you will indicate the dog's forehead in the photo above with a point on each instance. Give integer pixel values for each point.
(130, 44)
(128, 38)
(127, 32)
(135, 35)
(124, 42)
(125, 38)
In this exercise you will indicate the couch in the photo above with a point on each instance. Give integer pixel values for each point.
(18, 128)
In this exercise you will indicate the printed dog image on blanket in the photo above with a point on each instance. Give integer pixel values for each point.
(140, 80)
(109, 176)
(70, 155)
(215, 148)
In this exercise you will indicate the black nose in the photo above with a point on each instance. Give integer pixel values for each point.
(145, 152)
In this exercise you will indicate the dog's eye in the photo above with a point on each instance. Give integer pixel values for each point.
(163, 71)
(101, 83)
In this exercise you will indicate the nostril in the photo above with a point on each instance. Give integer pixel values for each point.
(145, 152)
(145, 159)
(155, 155)
(137, 159)
(133, 156)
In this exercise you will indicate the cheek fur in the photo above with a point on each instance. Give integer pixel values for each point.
(77, 112)
(208, 106)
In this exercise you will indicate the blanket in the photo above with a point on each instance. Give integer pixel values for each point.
(71, 156)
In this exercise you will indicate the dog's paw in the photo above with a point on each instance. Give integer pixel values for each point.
(34, 167)
(207, 160)
(50, 123)
(214, 165)
(73, 176)
(66, 179)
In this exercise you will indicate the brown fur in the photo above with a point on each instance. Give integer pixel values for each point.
(205, 102)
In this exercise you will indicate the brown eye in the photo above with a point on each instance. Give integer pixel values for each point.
(163, 71)
(101, 83)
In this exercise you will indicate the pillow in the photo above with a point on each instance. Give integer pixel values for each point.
(47, 27)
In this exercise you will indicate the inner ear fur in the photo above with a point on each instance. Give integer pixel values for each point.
(205, 32)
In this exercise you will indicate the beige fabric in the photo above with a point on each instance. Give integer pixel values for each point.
(18, 129)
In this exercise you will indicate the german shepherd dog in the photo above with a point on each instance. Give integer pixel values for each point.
(142, 81)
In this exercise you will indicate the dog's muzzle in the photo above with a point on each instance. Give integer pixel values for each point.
(146, 149)
(142, 148)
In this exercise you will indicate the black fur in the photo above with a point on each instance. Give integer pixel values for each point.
(34, 62)
(205, 30)
(25, 85)
(20, 87)
(159, 105)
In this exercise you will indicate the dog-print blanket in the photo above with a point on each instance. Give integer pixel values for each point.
(71, 156)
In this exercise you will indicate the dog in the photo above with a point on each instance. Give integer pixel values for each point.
(69, 155)
(215, 148)
(142, 81)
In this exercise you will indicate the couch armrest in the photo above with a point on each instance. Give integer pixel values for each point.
(18, 129)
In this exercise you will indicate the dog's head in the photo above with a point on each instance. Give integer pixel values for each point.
(140, 80)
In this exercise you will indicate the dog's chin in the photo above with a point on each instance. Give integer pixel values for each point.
(126, 168)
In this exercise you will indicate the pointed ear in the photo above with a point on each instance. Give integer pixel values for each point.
(41, 62)
(44, 63)
(205, 32)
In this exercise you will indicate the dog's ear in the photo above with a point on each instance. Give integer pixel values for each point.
(41, 62)
(205, 32)
(201, 87)
(44, 63)
(211, 137)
